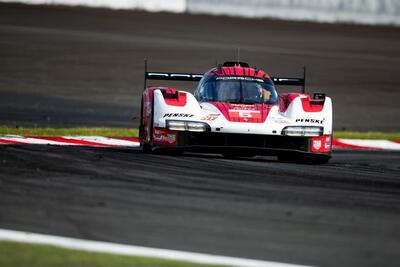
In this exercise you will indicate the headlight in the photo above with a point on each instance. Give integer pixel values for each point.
(303, 131)
(176, 125)
(191, 126)
(196, 126)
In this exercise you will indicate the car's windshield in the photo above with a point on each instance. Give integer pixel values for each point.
(234, 89)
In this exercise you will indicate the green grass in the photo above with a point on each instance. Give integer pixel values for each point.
(70, 131)
(13, 254)
(134, 132)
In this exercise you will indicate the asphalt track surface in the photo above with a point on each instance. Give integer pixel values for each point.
(344, 213)
(83, 67)
(63, 67)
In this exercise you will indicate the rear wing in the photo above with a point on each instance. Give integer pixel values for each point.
(292, 81)
(195, 77)
(151, 75)
(173, 76)
(288, 81)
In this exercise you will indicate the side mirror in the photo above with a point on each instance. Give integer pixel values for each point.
(319, 96)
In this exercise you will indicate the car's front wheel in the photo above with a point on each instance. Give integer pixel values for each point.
(145, 145)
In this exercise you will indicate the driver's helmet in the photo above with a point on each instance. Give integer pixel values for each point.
(255, 91)
(266, 94)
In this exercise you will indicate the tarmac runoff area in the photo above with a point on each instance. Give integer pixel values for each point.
(263, 210)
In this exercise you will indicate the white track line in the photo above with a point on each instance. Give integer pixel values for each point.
(377, 144)
(107, 247)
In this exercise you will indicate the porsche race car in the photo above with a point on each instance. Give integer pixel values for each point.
(236, 111)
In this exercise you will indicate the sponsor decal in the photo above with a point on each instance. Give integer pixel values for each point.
(210, 117)
(328, 142)
(255, 114)
(311, 121)
(327, 145)
(243, 107)
(177, 115)
(162, 136)
(317, 144)
(170, 138)
(321, 144)
(226, 78)
(279, 121)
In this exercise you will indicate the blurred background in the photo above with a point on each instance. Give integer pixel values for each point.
(70, 63)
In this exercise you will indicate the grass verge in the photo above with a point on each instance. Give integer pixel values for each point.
(14, 254)
(134, 132)
(367, 135)
(70, 131)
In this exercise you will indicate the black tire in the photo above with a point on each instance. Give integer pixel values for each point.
(147, 147)
(304, 159)
(141, 122)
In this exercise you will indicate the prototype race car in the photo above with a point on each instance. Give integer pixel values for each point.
(236, 111)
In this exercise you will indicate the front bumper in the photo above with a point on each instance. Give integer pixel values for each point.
(258, 144)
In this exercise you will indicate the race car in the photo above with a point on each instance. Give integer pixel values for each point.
(236, 111)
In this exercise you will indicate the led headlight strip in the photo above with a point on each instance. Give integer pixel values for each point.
(303, 131)
(191, 126)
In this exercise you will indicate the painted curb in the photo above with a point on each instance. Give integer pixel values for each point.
(366, 144)
(94, 141)
(103, 141)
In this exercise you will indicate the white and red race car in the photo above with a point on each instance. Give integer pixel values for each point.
(236, 111)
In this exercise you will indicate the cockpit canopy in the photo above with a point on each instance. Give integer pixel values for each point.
(236, 89)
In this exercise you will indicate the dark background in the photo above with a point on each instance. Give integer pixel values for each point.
(70, 67)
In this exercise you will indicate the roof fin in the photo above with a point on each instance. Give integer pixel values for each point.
(235, 64)
(303, 91)
(238, 56)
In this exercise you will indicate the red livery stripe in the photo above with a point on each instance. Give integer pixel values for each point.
(285, 99)
(308, 106)
(256, 113)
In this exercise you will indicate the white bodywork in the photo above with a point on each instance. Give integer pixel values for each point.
(273, 125)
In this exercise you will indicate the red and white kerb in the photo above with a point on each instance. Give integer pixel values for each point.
(166, 137)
